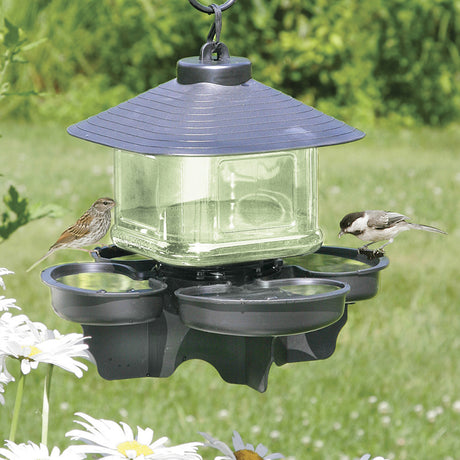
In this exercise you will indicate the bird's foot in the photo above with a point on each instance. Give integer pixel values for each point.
(371, 253)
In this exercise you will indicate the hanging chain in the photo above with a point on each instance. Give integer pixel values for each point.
(217, 11)
(216, 27)
(208, 9)
(214, 46)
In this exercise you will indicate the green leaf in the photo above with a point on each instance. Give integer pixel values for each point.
(19, 212)
(19, 60)
(4, 88)
(17, 204)
(22, 93)
(33, 45)
(11, 38)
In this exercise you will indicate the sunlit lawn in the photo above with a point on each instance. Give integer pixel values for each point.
(390, 387)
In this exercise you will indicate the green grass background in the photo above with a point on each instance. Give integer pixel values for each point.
(397, 359)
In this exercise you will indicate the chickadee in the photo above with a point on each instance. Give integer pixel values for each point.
(376, 226)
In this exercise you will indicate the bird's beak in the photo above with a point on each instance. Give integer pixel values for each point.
(341, 233)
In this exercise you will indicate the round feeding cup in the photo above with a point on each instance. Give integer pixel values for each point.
(103, 294)
(264, 308)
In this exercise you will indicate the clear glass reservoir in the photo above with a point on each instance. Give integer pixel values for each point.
(216, 210)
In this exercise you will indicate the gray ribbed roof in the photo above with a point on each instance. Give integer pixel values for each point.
(211, 119)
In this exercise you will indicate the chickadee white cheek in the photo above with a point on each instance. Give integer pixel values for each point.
(359, 225)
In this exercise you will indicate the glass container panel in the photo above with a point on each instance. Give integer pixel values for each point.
(216, 210)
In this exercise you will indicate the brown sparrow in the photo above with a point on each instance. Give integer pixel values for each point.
(88, 230)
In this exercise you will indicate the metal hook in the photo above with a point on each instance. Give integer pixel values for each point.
(216, 27)
(214, 46)
(208, 9)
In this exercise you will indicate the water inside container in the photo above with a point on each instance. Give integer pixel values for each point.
(204, 220)
(326, 263)
(216, 210)
(309, 289)
(251, 293)
(188, 233)
(102, 281)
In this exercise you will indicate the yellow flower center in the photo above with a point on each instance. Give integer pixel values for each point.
(32, 351)
(245, 454)
(140, 449)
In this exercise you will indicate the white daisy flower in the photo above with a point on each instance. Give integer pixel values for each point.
(4, 380)
(4, 271)
(6, 304)
(9, 323)
(114, 441)
(32, 343)
(241, 451)
(9, 327)
(12, 327)
(31, 451)
(5, 376)
(368, 457)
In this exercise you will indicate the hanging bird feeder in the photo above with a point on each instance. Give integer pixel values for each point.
(216, 179)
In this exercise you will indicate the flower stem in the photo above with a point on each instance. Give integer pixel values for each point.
(46, 404)
(17, 407)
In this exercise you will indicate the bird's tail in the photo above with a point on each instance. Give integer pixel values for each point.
(427, 228)
(41, 259)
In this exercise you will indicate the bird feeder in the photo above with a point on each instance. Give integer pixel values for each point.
(215, 168)
(216, 185)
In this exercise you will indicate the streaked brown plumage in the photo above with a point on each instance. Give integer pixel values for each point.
(89, 229)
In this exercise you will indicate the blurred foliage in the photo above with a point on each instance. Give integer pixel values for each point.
(12, 45)
(17, 210)
(397, 59)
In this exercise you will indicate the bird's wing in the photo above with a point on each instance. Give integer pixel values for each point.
(76, 231)
(383, 219)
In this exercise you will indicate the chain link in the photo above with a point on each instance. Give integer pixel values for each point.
(209, 9)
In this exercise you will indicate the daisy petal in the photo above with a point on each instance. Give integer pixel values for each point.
(117, 440)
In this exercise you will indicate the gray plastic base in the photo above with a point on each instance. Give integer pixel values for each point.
(240, 328)
(157, 348)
